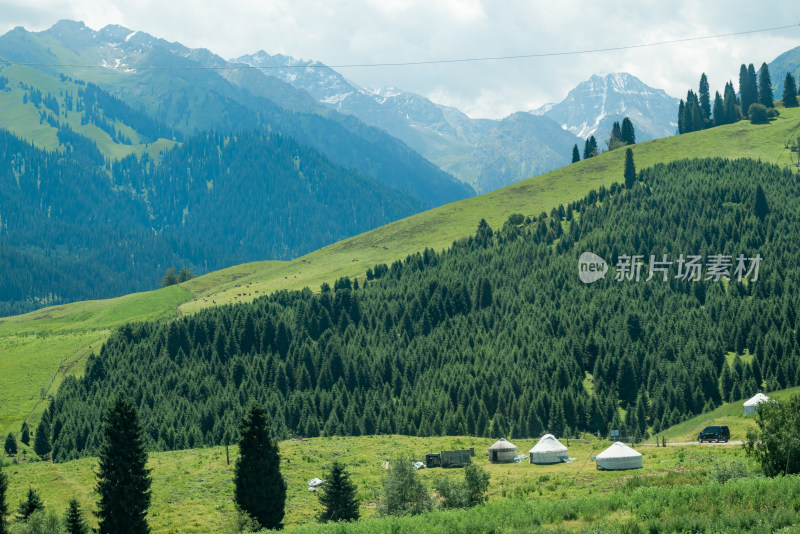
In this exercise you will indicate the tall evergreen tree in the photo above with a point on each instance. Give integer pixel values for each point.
(576, 154)
(705, 97)
(630, 169)
(719, 111)
(744, 91)
(338, 496)
(25, 434)
(590, 148)
(73, 519)
(760, 206)
(752, 85)
(259, 486)
(729, 101)
(3, 502)
(11, 444)
(628, 135)
(31, 504)
(681, 117)
(789, 91)
(616, 131)
(41, 441)
(123, 478)
(765, 95)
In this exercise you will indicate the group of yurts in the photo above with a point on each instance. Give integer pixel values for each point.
(551, 451)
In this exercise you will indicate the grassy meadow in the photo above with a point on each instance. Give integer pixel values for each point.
(193, 489)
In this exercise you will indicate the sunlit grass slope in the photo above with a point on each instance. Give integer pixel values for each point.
(193, 489)
(730, 414)
(436, 229)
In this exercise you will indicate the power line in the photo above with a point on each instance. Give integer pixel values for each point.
(414, 63)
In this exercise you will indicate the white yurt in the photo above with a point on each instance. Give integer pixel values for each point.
(502, 451)
(548, 451)
(751, 404)
(619, 456)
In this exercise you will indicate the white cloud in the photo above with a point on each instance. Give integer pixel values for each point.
(379, 31)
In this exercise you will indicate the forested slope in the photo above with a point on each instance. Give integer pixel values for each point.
(74, 228)
(492, 337)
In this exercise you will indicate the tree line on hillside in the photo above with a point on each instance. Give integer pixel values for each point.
(68, 232)
(621, 135)
(755, 101)
(495, 336)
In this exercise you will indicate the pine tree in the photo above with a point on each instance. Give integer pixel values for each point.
(765, 95)
(3, 502)
(681, 117)
(338, 496)
(630, 169)
(752, 85)
(73, 520)
(25, 434)
(789, 91)
(11, 444)
(616, 132)
(705, 97)
(259, 486)
(31, 504)
(41, 441)
(123, 478)
(760, 206)
(719, 110)
(576, 154)
(745, 93)
(628, 136)
(590, 148)
(729, 104)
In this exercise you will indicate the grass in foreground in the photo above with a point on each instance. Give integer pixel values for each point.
(193, 490)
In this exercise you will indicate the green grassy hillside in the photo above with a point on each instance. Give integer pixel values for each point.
(193, 489)
(37, 345)
(730, 414)
(23, 119)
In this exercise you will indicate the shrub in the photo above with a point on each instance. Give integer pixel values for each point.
(758, 114)
(403, 492)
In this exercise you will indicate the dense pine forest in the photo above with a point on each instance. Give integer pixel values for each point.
(110, 231)
(496, 336)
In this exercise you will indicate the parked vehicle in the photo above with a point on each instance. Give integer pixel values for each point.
(715, 433)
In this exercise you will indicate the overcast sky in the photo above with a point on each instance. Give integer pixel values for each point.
(378, 31)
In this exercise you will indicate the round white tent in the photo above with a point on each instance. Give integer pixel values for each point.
(751, 404)
(502, 451)
(548, 451)
(619, 456)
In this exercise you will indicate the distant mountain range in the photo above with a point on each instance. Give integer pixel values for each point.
(593, 106)
(113, 174)
(487, 154)
(789, 62)
(192, 100)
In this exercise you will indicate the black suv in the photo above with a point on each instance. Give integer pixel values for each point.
(714, 433)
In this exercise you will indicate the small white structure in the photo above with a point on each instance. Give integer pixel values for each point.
(502, 451)
(751, 404)
(618, 457)
(548, 451)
